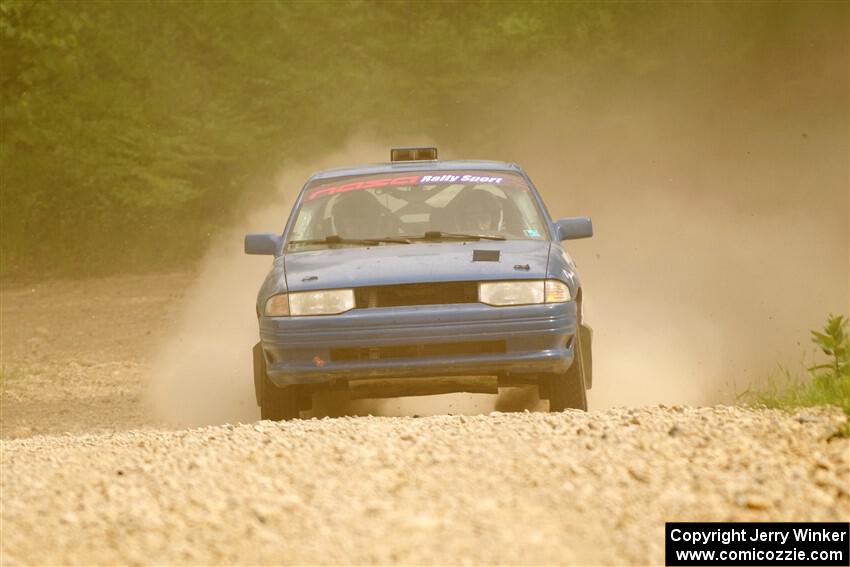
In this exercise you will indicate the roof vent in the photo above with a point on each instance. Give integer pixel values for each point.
(413, 154)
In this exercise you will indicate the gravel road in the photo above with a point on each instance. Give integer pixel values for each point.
(89, 475)
(574, 487)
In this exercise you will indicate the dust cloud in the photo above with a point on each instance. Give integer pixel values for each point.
(721, 208)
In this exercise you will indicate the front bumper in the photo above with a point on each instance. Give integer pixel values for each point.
(531, 339)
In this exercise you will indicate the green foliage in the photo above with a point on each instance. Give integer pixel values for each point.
(835, 343)
(130, 130)
(826, 384)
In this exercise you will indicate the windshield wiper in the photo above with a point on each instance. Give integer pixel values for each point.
(337, 239)
(439, 235)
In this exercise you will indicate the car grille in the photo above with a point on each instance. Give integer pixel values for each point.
(416, 351)
(416, 294)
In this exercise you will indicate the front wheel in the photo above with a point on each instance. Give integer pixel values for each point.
(276, 402)
(279, 402)
(567, 390)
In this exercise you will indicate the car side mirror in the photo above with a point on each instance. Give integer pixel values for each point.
(574, 227)
(262, 243)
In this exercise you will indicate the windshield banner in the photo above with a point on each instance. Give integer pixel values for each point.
(446, 178)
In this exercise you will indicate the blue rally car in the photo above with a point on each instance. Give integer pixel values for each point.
(420, 277)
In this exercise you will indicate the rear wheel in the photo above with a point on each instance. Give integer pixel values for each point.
(276, 402)
(567, 390)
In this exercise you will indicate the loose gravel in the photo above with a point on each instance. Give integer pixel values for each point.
(523, 488)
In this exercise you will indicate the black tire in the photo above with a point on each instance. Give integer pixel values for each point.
(567, 390)
(276, 403)
(279, 402)
(587, 355)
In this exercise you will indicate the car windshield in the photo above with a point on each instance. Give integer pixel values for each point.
(391, 209)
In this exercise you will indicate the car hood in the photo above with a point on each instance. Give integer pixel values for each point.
(414, 263)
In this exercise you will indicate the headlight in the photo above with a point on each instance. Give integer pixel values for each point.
(523, 292)
(326, 302)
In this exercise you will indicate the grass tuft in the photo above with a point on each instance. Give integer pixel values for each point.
(823, 384)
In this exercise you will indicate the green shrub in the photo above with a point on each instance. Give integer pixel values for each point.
(835, 343)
